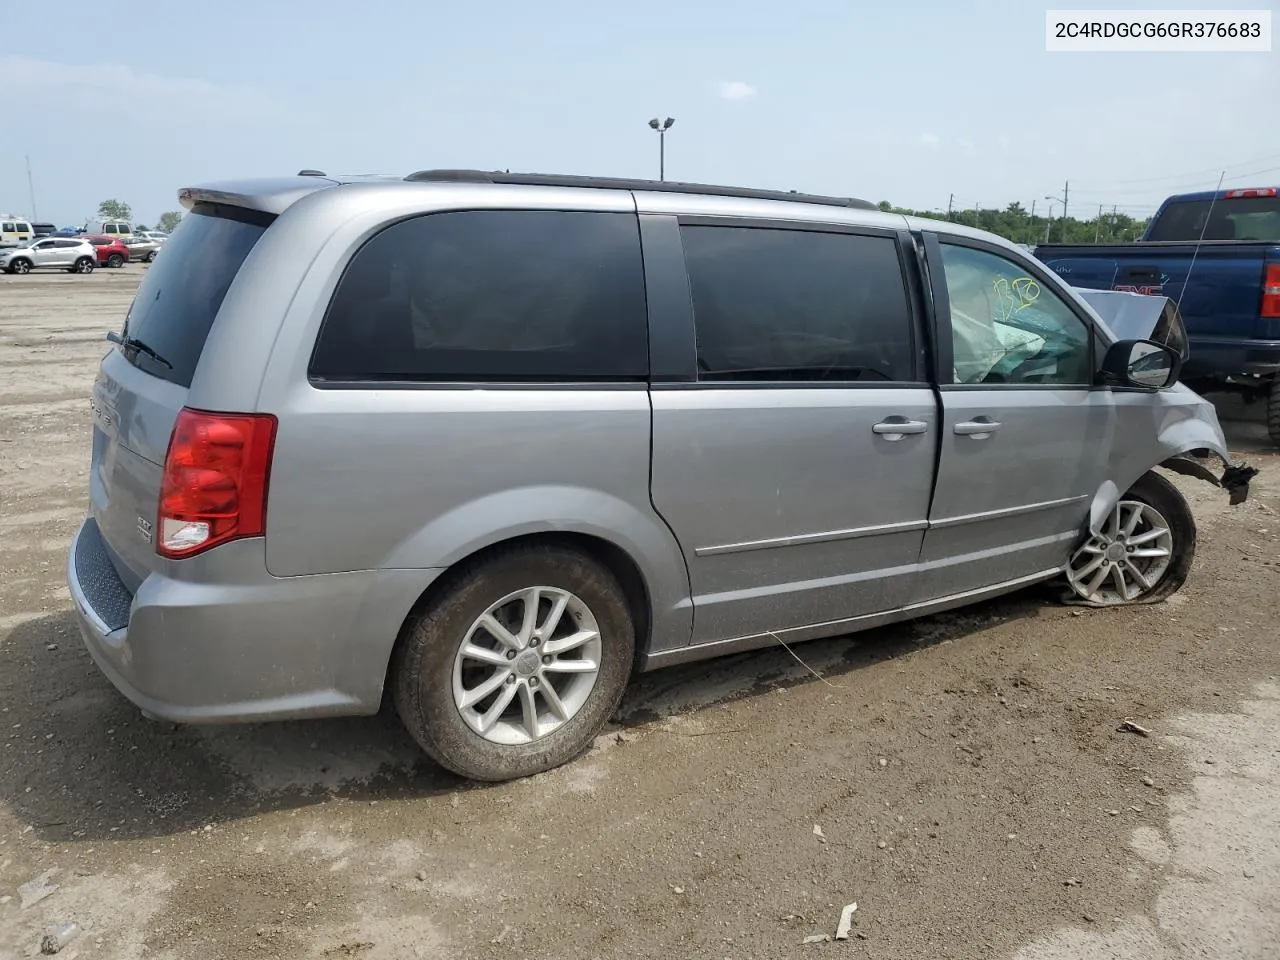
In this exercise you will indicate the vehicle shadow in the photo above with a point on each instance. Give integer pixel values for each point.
(79, 762)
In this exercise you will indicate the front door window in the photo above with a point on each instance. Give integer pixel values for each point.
(1007, 327)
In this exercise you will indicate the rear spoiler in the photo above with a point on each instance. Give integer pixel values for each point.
(274, 195)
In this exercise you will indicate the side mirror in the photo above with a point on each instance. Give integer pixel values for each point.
(1141, 364)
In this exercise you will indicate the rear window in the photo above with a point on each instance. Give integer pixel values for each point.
(1244, 218)
(490, 295)
(177, 301)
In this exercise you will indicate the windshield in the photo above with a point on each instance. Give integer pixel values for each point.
(1241, 218)
(176, 304)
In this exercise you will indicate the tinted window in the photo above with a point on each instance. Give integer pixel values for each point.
(67, 243)
(100, 241)
(181, 293)
(1244, 218)
(1007, 327)
(796, 305)
(490, 295)
(8, 228)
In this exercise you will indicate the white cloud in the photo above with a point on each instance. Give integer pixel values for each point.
(930, 140)
(736, 90)
(119, 88)
(966, 146)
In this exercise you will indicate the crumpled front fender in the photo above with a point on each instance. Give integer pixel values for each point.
(1186, 433)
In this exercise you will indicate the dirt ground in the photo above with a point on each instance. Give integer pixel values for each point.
(971, 789)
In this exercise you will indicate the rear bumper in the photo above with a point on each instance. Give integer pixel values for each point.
(1223, 357)
(237, 644)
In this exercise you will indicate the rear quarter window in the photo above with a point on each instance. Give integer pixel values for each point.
(179, 298)
(492, 295)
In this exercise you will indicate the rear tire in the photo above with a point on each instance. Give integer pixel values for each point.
(115, 261)
(1273, 411)
(84, 265)
(433, 679)
(20, 266)
(1148, 543)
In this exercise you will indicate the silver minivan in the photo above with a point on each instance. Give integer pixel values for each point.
(489, 443)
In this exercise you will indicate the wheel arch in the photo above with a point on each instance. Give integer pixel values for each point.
(1184, 429)
(613, 557)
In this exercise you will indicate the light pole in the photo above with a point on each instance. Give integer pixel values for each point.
(1066, 192)
(662, 126)
(1064, 213)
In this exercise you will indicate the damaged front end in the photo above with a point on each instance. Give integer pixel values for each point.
(1235, 476)
(1136, 316)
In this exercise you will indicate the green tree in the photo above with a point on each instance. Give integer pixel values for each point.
(114, 210)
(169, 220)
(1015, 223)
(141, 227)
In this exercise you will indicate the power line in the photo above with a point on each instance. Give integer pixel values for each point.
(1194, 173)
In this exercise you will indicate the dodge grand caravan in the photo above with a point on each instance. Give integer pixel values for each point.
(487, 443)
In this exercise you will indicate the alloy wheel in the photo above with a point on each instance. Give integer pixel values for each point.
(527, 665)
(1126, 559)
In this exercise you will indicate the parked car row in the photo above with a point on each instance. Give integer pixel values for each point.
(78, 253)
(16, 231)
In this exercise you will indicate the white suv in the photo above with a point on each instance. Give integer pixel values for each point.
(59, 253)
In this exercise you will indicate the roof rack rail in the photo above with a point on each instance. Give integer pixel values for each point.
(311, 173)
(621, 183)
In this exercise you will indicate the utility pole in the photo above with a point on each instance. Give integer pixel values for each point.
(31, 190)
(662, 127)
(1066, 193)
(1048, 224)
(1097, 225)
(950, 201)
(1034, 232)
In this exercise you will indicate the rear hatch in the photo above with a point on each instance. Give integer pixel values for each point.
(142, 384)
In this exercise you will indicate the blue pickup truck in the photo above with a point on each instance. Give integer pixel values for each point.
(1217, 256)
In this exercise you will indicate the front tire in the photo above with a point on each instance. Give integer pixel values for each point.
(514, 668)
(20, 266)
(1144, 551)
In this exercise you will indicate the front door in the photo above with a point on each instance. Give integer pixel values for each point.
(1025, 434)
(795, 469)
(45, 253)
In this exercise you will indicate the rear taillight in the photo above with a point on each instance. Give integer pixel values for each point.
(1271, 291)
(215, 481)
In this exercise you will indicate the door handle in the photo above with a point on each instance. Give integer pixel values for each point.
(979, 428)
(896, 429)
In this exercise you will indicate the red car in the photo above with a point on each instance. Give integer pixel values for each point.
(111, 250)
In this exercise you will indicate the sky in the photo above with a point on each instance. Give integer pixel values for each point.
(910, 102)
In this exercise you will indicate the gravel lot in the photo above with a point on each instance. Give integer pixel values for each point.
(973, 793)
